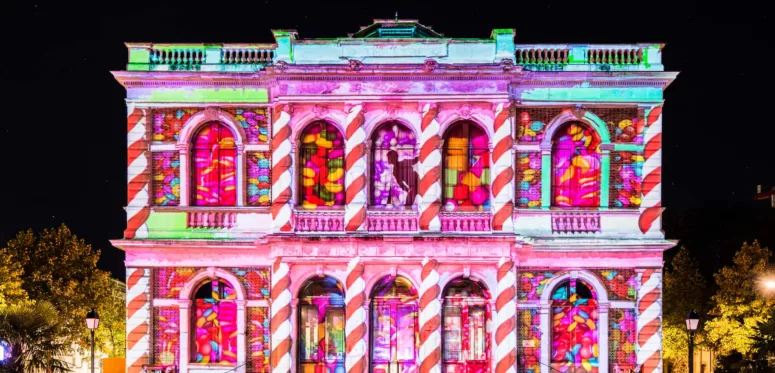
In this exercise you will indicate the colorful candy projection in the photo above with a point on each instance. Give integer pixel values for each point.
(574, 328)
(259, 183)
(529, 179)
(214, 159)
(394, 181)
(466, 168)
(321, 330)
(576, 166)
(626, 179)
(466, 311)
(529, 341)
(255, 280)
(395, 337)
(254, 122)
(621, 338)
(621, 283)
(166, 335)
(322, 161)
(215, 323)
(258, 335)
(531, 284)
(168, 281)
(167, 123)
(166, 178)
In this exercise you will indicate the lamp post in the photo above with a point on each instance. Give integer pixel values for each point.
(692, 321)
(92, 322)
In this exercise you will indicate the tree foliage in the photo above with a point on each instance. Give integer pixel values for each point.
(33, 332)
(61, 269)
(11, 282)
(682, 292)
(738, 305)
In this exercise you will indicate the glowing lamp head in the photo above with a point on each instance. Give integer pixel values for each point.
(92, 320)
(692, 321)
(769, 284)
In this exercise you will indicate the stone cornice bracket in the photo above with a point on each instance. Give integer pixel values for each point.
(320, 111)
(355, 65)
(319, 271)
(467, 271)
(508, 65)
(465, 111)
(578, 111)
(430, 65)
(393, 272)
(211, 113)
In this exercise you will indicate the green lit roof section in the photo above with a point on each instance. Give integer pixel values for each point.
(396, 29)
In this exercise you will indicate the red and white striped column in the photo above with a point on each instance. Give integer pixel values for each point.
(649, 352)
(430, 169)
(282, 169)
(503, 170)
(355, 314)
(430, 318)
(506, 312)
(280, 321)
(138, 174)
(355, 170)
(651, 205)
(138, 319)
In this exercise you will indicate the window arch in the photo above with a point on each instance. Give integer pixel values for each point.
(214, 166)
(575, 334)
(576, 165)
(466, 176)
(394, 330)
(214, 324)
(394, 177)
(466, 341)
(321, 325)
(321, 157)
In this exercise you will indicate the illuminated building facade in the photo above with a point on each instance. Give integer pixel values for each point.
(394, 201)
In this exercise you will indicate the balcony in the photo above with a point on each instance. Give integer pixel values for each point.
(319, 221)
(574, 57)
(392, 221)
(465, 222)
(200, 57)
(579, 222)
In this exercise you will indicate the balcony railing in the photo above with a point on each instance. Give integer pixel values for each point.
(319, 221)
(465, 221)
(205, 57)
(575, 222)
(392, 221)
(572, 57)
(211, 219)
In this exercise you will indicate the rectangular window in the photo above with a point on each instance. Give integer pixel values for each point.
(381, 326)
(477, 340)
(335, 334)
(452, 333)
(406, 332)
(309, 333)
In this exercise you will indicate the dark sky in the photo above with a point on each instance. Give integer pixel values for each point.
(63, 127)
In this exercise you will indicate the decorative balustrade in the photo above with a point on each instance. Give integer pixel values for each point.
(574, 57)
(530, 56)
(211, 219)
(615, 56)
(465, 221)
(319, 221)
(392, 221)
(575, 222)
(246, 55)
(177, 56)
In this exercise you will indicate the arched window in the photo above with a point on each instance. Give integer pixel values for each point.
(321, 157)
(321, 326)
(466, 176)
(466, 311)
(394, 177)
(214, 325)
(394, 330)
(576, 166)
(575, 328)
(214, 166)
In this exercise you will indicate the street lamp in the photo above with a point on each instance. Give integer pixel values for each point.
(92, 322)
(692, 321)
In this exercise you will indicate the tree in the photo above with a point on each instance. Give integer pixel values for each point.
(34, 335)
(110, 337)
(737, 306)
(60, 268)
(682, 292)
(11, 289)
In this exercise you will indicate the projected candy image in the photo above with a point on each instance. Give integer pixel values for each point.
(576, 166)
(322, 166)
(466, 168)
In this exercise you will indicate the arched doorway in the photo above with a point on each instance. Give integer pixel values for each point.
(214, 324)
(575, 324)
(466, 341)
(321, 326)
(394, 329)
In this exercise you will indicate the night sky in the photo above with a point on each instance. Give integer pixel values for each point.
(63, 123)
